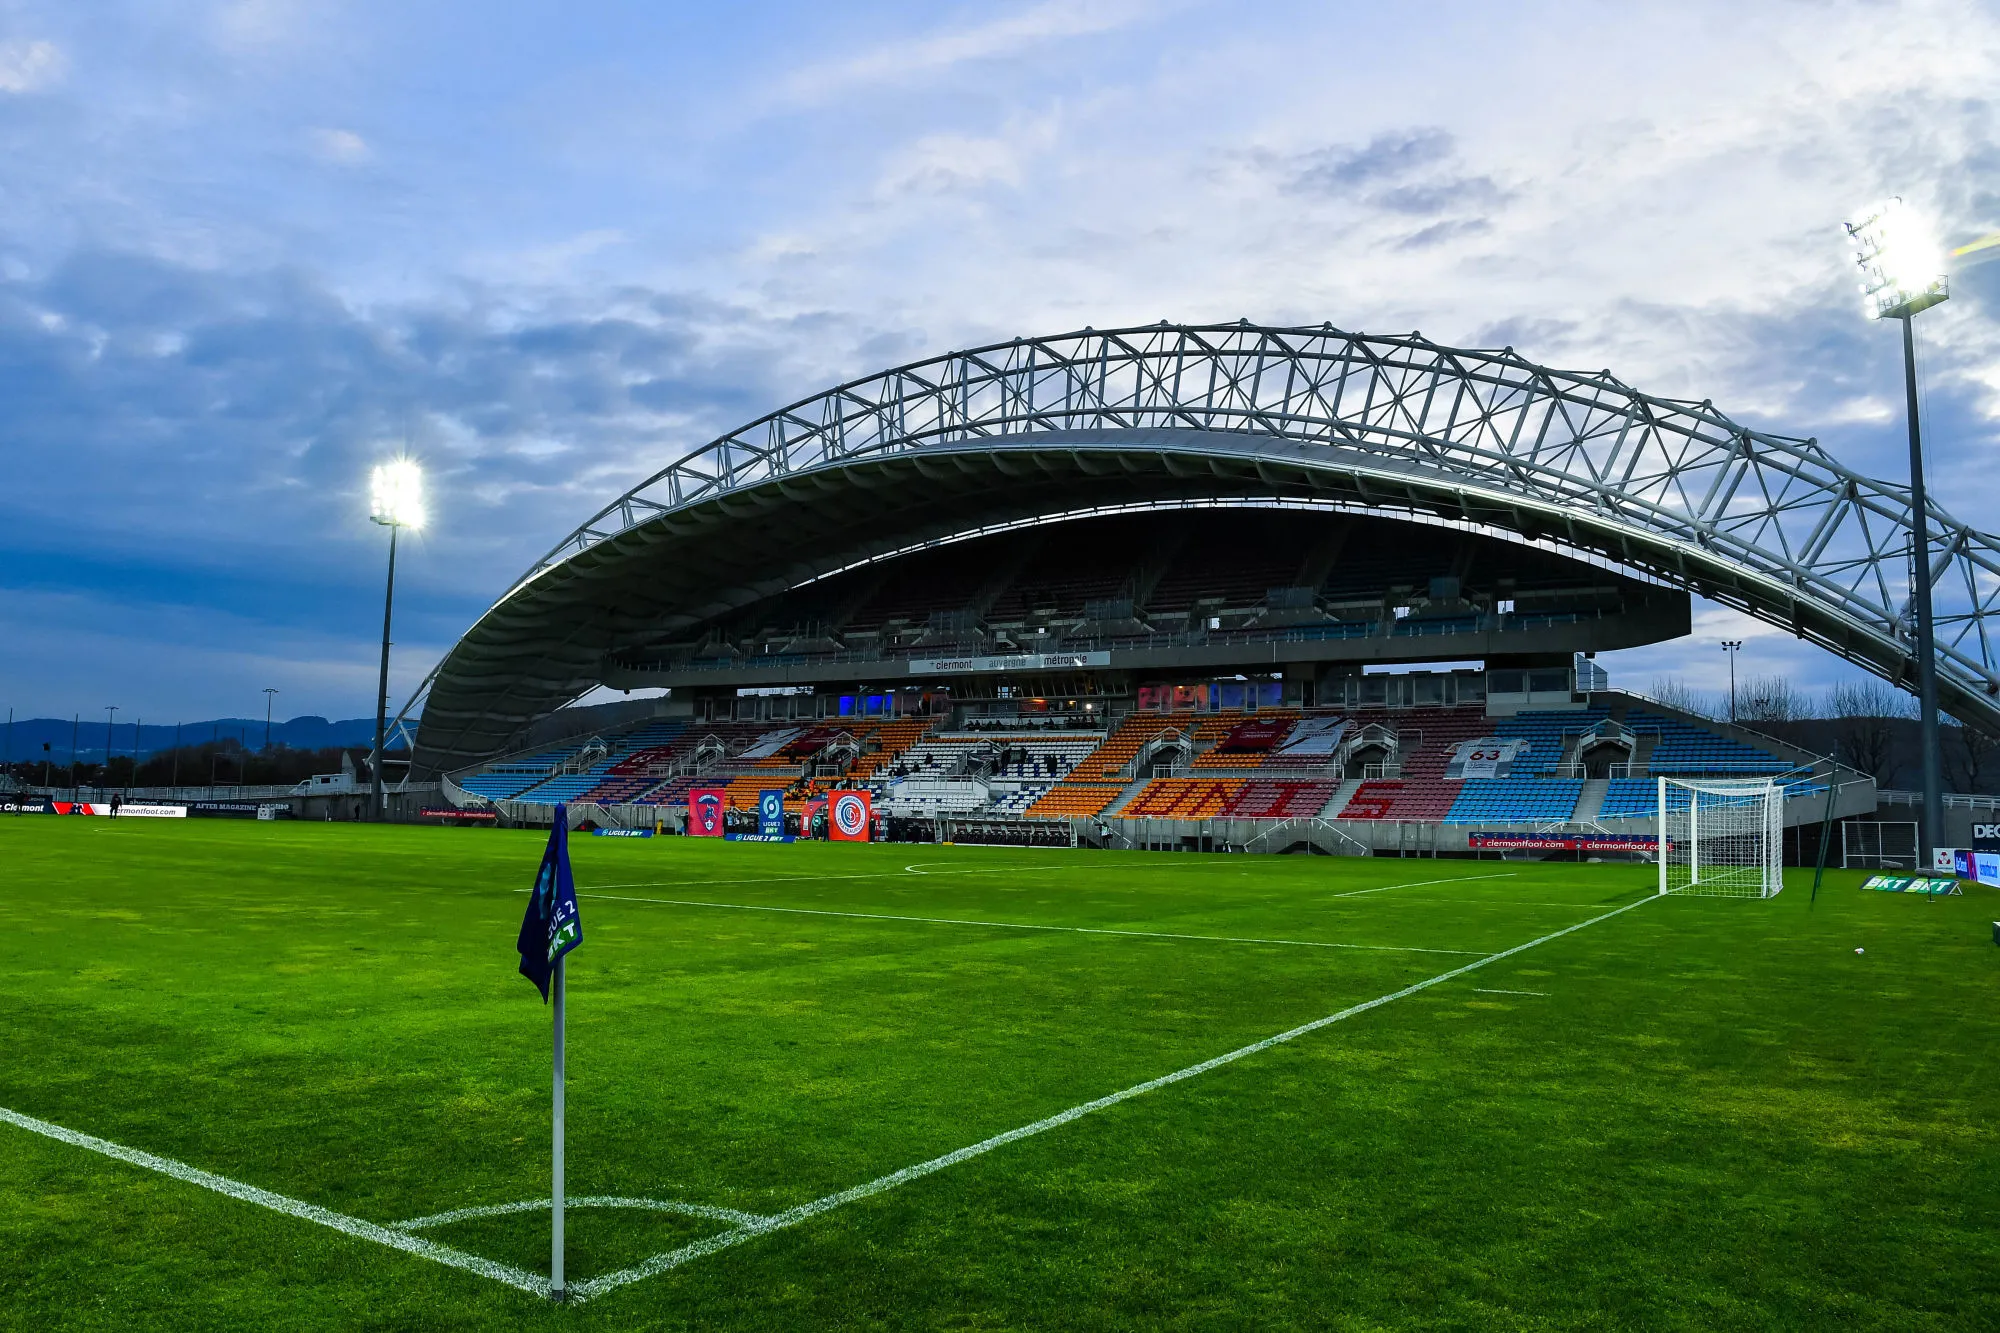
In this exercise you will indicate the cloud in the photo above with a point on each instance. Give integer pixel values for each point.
(30, 66)
(342, 146)
(251, 25)
(1391, 156)
(933, 53)
(239, 413)
(206, 334)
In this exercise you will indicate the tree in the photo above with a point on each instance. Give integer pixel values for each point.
(1864, 733)
(1677, 693)
(1771, 699)
(1971, 756)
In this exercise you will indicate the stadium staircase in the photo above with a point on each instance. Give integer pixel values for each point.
(1590, 800)
(1126, 795)
(1341, 795)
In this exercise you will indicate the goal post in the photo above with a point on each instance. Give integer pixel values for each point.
(1722, 838)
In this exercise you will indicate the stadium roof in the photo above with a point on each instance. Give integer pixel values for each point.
(1220, 413)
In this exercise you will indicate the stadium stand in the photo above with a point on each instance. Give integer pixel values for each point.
(1009, 769)
(500, 784)
(885, 745)
(1547, 735)
(1630, 798)
(1181, 798)
(1400, 799)
(1238, 740)
(1684, 748)
(1017, 801)
(1514, 800)
(1265, 799)
(1068, 800)
(1104, 763)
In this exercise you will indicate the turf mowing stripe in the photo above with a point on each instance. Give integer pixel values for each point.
(729, 1215)
(1015, 925)
(326, 1217)
(871, 874)
(791, 1217)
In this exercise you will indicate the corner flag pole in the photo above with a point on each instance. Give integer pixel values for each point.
(556, 1190)
(550, 928)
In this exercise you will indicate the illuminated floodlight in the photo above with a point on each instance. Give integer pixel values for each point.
(397, 494)
(1902, 264)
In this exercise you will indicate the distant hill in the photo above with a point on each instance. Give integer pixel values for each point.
(300, 733)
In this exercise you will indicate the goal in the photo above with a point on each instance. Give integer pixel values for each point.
(1721, 838)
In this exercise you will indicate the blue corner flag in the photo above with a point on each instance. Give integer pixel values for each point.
(552, 927)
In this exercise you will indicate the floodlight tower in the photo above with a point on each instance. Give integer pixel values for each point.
(397, 501)
(1732, 647)
(110, 716)
(1901, 277)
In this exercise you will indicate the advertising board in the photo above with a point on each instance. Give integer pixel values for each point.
(771, 813)
(848, 815)
(1563, 842)
(705, 810)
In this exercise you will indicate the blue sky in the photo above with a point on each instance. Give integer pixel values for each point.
(248, 248)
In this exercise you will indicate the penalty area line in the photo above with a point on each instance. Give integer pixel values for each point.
(279, 1203)
(792, 1217)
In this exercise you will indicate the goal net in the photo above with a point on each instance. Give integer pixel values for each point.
(1721, 838)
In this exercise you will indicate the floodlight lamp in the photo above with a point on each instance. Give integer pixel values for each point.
(397, 494)
(1902, 265)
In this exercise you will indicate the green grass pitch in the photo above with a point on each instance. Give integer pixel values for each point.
(1695, 1114)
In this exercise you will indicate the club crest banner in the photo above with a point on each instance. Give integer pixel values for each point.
(705, 807)
(848, 814)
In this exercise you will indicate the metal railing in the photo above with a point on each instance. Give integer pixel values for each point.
(1952, 800)
(1305, 824)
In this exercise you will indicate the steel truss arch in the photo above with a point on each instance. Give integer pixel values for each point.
(1798, 539)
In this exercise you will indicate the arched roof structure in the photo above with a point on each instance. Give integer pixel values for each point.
(1228, 413)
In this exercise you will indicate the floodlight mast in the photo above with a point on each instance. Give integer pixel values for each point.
(397, 502)
(1900, 266)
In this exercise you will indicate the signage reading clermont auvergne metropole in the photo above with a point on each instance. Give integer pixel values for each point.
(938, 666)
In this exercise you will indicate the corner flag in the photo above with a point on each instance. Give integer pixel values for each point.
(551, 927)
(549, 931)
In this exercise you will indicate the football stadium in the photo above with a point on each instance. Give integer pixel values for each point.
(1118, 829)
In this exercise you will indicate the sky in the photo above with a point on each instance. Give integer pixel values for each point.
(250, 248)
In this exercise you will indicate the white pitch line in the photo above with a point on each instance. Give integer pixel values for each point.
(791, 1217)
(399, 1238)
(1487, 990)
(326, 1217)
(729, 1215)
(814, 879)
(1449, 879)
(1017, 925)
